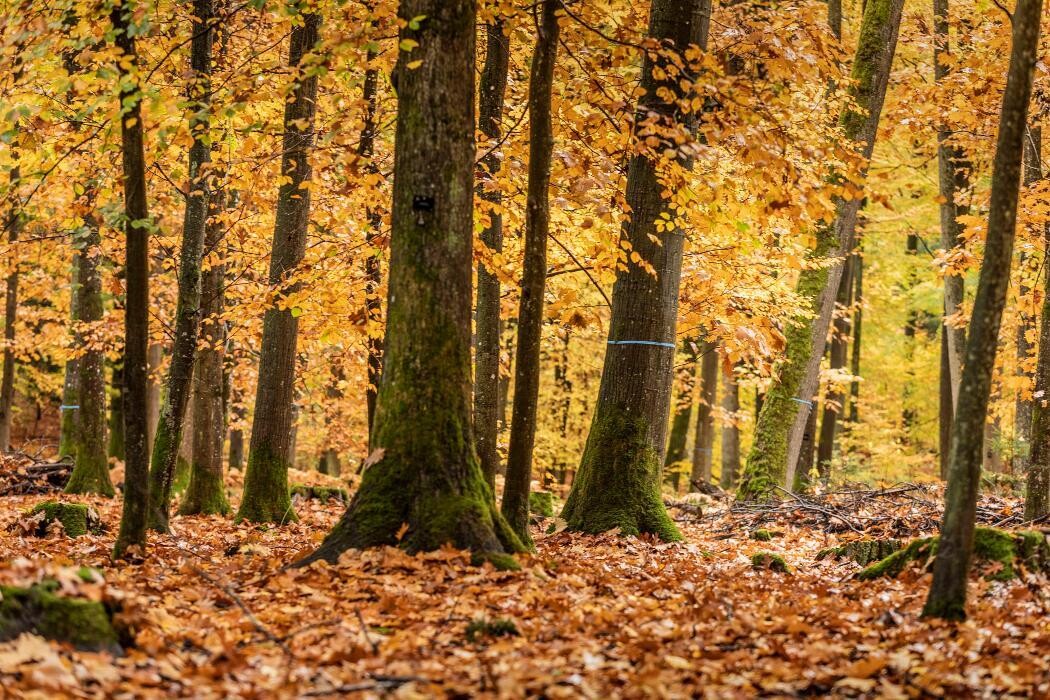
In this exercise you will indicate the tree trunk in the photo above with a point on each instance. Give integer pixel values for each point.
(785, 412)
(858, 321)
(188, 309)
(13, 225)
(835, 401)
(807, 453)
(70, 386)
(492, 90)
(91, 465)
(515, 506)
(947, 409)
(373, 273)
(683, 411)
(116, 411)
(953, 180)
(947, 598)
(131, 540)
(730, 430)
(704, 444)
(155, 359)
(425, 472)
(237, 436)
(206, 492)
(1037, 494)
(1023, 406)
(265, 497)
(618, 482)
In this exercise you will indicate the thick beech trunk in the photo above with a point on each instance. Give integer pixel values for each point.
(947, 598)
(785, 412)
(91, 465)
(704, 444)
(487, 383)
(188, 308)
(618, 482)
(131, 539)
(730, 430)
(515, 506)
(206, 492)
(425, 472)
(952, 174)
(1037, 494)
(266, 497)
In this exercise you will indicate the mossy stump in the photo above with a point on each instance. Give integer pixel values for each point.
(541, 503)
(319, 493)
(769, 562)
(85, 624)
(862, 552)
(1002, 553)
(77, 518)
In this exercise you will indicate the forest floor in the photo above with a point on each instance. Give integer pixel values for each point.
(213, 613)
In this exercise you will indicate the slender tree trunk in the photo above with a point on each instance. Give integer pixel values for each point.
(91, 465)
(487, 383)
(131, 540)
(947, 409)
(618, 482)
(807, 453)
(188, 309)
(730, 430)
(1023, 406)
(116, 411)
(683, 411)
(155, 359)
(425, 472)
(953, 181)
(1037, 494)
(70, 386)
(237, 435)
(858, 322)
(785, 412)
(266, 497)
(515, 506)
(206, 492)
(13, 225)
(947, 598)
(703, 446)
(835, 401)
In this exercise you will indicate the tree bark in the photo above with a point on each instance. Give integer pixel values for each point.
(266, 497)
(946, 409)
(1037, 493)
(1023, 406)
(13, 225)
(704, 444)
(683, 411)
(953, 180)
(188, 308)
(116, 411)
(424, 487)
(858, 323)
(835, 401)
(947, 598)
(131, 539)
(730, 430)
(618, 482)
(91, 465)
(70, 386)
(492, 91)
(515, 506)
(785, 412)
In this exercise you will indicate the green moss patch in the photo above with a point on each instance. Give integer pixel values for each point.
(320, 493)
(541, 503)
(769, 562)
(481, 628)
(77, 518)
(1002, 553)
(862, 552)
(85, 624)
(761, 535)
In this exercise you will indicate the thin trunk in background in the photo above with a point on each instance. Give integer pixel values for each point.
(947, 597)
(266, 497)
(1030, 269)
(131, 539)
(116, 411)
(835, 400)
(14, 223)
(487, 381)
(515, 505)
(730, 429)
(946, 410)
(1037, 493)
(858, 321)
(154, 362)
(704, 445)
(68, 410)
(683, 411)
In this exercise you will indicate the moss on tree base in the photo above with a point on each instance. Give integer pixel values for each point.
(77, 518)
(769, 562)
(862, 552)
(266, 497)
(320, 493)
(83, 623)
(618, 483)
(541, 503)
(1005, 551)
(206, 495)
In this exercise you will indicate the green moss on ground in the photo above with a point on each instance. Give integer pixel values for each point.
(77, 518)
(541, 503)
(1007, 551)
(83, 623)
(761, 535)
(862, 552)
(500, 627)
(320, 493)
(769, 561)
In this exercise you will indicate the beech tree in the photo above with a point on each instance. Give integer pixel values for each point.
(1037, 492)
(947, 597)
(424, 471)
(618, 482)
(13, 223)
